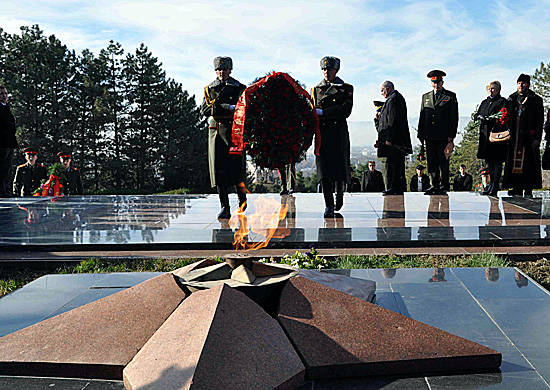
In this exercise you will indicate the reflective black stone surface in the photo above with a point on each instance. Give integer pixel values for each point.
(189, 221)
(497, 307)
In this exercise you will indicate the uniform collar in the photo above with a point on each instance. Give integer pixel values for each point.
(337, 81)
(229, 81)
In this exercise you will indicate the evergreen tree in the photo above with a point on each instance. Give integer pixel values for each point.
(541, 82)
(466, 152)
(144, 86)
(115, 108)
(184, 153)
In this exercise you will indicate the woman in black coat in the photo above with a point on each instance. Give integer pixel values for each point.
(494, 153)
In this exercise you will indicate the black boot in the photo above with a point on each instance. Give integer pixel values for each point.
(339, 195)
(329, 205)
(242, 200)
(225, 212)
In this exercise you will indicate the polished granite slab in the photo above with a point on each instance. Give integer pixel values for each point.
(500, 308)
(189, 222)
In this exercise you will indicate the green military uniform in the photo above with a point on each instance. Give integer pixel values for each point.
(437, 125)
(225, 169)
(28, 178)
(335, 101)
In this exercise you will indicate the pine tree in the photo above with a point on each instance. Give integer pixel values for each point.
(144, 84)
(541, 82)
(466, 152)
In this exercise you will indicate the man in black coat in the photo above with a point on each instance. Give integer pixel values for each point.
(437, 126)
(7, 142)
(394, 139)
(372, 180)
(29, 176)
(523, 171)
(73, 182)
(463, 180)
(420, 181)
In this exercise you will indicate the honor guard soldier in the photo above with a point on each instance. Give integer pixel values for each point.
(73, 182)
(437, 127)
(333, 99)
(218, 105)
(29, 176)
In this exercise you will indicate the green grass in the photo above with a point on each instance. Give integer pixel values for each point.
(539, 270)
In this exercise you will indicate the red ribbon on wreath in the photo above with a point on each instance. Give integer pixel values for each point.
(52, 187)
(239, 118)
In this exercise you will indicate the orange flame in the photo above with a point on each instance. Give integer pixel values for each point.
(264, 222)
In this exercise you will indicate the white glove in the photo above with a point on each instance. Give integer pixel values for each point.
(231, 107)
(319, 111)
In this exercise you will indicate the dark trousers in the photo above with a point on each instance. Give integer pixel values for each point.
(438, 165)
(6, 155)
(395, 172)
(495, 172)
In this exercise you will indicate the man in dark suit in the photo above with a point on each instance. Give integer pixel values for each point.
(372, 180)
(420, 181)
(7, 142)
(437, 127)
(462, 181)
(394, 137)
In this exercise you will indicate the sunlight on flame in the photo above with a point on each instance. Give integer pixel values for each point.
(264, 222)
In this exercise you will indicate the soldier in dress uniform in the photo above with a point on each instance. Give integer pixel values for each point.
(218, 105)
(437, 127)
(333, 100)
(73, 182)
(29, 176)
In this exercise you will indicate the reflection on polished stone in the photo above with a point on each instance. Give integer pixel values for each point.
(367, 219)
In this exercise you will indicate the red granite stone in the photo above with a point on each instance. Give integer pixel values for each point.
(193, 266)
(216, 339)
(95, 340)
(338, 335)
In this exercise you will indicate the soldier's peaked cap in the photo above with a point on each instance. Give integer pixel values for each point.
(31, 150)
(484, 171)
(223, 63)
(436, 75)
(329, 62)
(65, 153)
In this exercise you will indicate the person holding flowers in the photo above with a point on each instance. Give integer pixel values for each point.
(493, 117)
(218, 105)
(333, 100)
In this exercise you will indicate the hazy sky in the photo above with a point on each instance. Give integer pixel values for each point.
(473, 41)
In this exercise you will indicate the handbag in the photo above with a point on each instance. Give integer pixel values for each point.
(500, 136)
(546, 158)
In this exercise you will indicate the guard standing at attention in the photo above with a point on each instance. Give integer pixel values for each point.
(73, 181)
(333, 99)
(218, 105)
(29, 176)
(437, 126)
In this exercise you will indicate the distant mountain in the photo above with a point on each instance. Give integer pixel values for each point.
(363, 133)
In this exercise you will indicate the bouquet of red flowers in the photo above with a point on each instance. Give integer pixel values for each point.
(52, 186)
(275, 122)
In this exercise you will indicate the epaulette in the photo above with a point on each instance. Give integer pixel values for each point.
(21, 166)
(214, 83)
